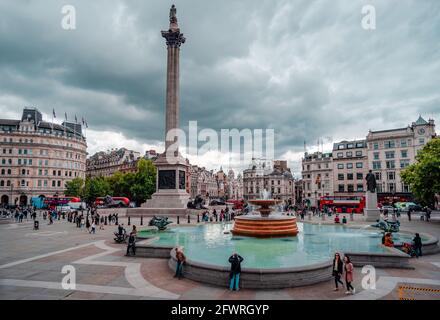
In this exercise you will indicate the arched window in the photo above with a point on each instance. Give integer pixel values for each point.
(2, 183)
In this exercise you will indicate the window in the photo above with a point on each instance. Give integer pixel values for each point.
(349, 165)
(389, 154)
(350, 176)
(376, 155)
(404, 163)
(403, 144)
(404, 154)
(341, 188)
(391, 164)
(340, 155)
(349, 154)
(391, 176)
(359, 165)
(390, 144)
(350, 146)
(360, 188)
(377, 165)
(376, 146)
(341, 147)
(350, 188)
(358, 153)
(391, 187)
(359, 145)
(360, 176)
(421, 141)
(340, 166)
(340, 176)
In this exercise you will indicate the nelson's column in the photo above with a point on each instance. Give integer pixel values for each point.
(171, 197)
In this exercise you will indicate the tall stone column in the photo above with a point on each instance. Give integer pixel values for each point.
(174, 39)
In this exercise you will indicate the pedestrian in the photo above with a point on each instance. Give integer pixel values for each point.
(50, 219)
(131, 244)
(348, 267)
(337, 270)
(409, 214)
(180, 257)
(417, 244)
(88, 225)
(235, 260)
(82, 221)
(93, 230)
(428, 214)
(101, 226)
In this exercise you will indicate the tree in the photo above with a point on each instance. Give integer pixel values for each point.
(74, 188)
(96, 187)
(144, 181)
(424, 176)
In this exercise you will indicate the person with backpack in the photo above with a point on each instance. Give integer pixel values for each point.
(235, 260)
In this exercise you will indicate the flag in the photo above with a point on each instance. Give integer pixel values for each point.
(53, 112)
(65, 115)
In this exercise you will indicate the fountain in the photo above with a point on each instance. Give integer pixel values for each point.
(265, 225)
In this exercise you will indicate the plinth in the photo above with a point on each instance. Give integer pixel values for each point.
(372, 213)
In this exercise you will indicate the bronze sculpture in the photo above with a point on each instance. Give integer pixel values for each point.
(371, 182)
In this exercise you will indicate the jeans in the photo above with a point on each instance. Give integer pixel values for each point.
(418, 251)
(338, 280)
(349, 286)
(179, 269)
(235, 280)
(133, 248)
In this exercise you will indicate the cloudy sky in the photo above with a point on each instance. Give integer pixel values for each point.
(305, 68)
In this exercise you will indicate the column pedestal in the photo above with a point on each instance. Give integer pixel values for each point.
(372, 213)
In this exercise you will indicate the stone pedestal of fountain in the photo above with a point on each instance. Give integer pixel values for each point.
(371, 211)
(265, 225)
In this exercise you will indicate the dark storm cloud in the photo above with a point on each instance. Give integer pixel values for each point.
(305, 68)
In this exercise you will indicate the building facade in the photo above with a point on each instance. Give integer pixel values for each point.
(350, 167)
(391, 151)
(38, 158)
(317, 176)
(104, 164)
(273, 176)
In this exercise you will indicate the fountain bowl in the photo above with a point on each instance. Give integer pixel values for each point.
(265, 225)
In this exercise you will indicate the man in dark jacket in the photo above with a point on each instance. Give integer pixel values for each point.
(417, 243)
(235, 261)
(131, 244)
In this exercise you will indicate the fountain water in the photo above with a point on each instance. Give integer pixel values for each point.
(265, 225)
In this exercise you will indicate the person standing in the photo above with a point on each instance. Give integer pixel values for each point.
(131, 244)
(409, 214)
(235, 260)
(417, 243)
(101, 226)
(93, 230)
(180, 257)
(88, 225)
(348, 267)
(337, 270)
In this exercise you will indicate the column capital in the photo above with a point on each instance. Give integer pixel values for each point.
(173, 38)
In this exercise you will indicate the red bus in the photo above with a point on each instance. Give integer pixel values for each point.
(53, 202)
(116, 202)
(343, 204)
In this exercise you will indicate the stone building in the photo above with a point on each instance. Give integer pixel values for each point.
(391, 151)
(350, 167)
(105, 164)
(38, 158)
(273, 176)
(317, 176)
(202, 182)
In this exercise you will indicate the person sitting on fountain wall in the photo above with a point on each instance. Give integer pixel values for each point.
(337, 218)
(417, 244)
(235, 260)
(388, 241)
(131, 244)
(180, 257)
(344, 220)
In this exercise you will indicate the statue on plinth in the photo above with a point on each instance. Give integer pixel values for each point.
(371, 182)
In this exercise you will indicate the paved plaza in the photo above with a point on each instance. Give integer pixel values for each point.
(31, 265)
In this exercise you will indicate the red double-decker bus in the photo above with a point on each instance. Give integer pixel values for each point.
(53, 202)
(343, 204)
(116, 202)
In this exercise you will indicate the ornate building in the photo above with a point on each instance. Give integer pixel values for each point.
(274, 176)
(37, 158)
(105, 164)
(317, 175)
(391, 151)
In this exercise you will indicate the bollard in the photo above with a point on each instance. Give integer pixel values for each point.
(216, 218)
(142, 220)
(105, 220)
(198, 218)
(128, 220)
(178, 220)
(189, 219)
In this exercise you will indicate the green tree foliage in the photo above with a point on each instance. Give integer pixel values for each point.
(137, 186)
(424, 176)
(75, 188)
